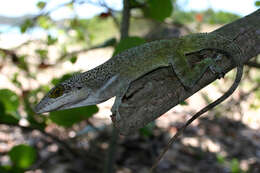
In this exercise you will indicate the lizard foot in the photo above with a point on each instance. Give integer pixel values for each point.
(217, 70)
(214, 68)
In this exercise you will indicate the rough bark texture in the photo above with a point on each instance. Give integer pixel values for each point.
(155, 93)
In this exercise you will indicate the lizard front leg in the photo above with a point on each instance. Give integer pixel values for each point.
(189, 76)
(119, 96)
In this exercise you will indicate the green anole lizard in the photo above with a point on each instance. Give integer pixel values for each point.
(114, 76)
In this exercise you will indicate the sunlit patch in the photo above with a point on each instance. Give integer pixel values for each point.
(57, 92)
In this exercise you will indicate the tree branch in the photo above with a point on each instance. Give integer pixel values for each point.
(253, 64)
(125, 20)
(155, 93)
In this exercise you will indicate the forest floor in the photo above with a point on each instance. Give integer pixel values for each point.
(213, 144)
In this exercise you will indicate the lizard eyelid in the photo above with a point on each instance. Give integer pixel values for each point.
(57, 92)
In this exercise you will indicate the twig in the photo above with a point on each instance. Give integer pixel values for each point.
(124, 30)
(253, 64)
(112, 11)
(111, 153)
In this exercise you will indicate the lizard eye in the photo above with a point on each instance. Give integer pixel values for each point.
(79, 88)
(57, 92)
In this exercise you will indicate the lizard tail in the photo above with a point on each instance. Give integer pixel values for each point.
(202, 111)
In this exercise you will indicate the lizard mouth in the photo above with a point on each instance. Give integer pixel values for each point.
(79, 103)
(68, 105)
(61, 107)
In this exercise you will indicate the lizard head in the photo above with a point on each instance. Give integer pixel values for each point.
(71, 93)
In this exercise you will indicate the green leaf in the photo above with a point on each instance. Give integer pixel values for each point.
(8, 119)
(10, 169)
(67, 118)
(220, 159)
(41, 4)
(16, 81)
(158, 9)
(73, 59)
(44, 22)
(51, 40)
(257, 3)
(134, 3)
(6, 169)
(127, 43)
(22, 156)
(42, 53)
(3, 169)
(183, 103)
(148, 129)
(2, 108)
(235, 168)
(23, 64)
(10, 100)
(26, 25)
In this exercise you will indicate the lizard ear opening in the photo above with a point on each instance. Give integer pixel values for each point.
(57, 92)
(107, 84)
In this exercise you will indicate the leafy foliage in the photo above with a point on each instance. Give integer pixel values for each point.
(208, 16)
(67, 118)
(22, 156)
(220, 17)
(44, 22)
(10, 101)
(41, 4)
(26, 25)
(4, 117)
(158, 10)
(147, 130)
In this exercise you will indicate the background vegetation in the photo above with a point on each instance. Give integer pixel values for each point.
(74, 140)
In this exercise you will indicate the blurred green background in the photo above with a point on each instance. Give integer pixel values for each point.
(45, 42)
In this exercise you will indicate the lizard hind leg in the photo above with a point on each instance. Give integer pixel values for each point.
(188, 75)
